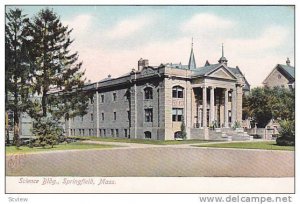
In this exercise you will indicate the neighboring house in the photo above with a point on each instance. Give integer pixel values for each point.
(153, 101)
(282, 76)
(270, 131)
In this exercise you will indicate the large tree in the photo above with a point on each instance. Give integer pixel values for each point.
(57, 78)
(17, 73)
(263, 104)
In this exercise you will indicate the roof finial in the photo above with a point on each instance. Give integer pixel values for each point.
(223, 59)
(222, 50)
(288, 62)
(192, 42)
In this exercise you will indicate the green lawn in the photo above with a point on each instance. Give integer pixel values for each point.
(267, 145)
(69, 146)
(144, 141)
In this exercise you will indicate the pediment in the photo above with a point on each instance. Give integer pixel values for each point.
(222, 73)
(147, 71)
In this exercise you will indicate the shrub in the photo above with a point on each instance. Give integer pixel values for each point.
(48, 131)
(286, 133)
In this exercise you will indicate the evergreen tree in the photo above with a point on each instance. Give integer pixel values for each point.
(57, 78)
(183, 129)
(17, 73)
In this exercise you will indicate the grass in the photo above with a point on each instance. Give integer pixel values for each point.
(144, 141)
(66, 146)
(266, 145)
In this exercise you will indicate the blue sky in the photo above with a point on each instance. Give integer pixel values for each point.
(111, 39)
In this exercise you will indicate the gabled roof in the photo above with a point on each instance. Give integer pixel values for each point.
(205, 70)
(289, 70)
(238, 73)
(286, 70)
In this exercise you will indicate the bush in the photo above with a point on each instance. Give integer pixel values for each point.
(285, 141)
(286, 133)
(48, 131)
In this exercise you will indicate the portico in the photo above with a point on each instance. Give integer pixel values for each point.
(218, 103)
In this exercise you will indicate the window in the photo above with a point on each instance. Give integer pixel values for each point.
(117, 132)
(90, 132)
(148, 93)
(80, 132)
(112, 132)
(114, 96)
(115, 115)
(148, 115)
(100, 132)
(177, 92)
(177, 135)
(128, 115)
(177, 114)
(102, 98)
(147, 135)
(92, 100)
(279, 76)
(92, 117)
(102, 116)
(230, 116)
(83, 132)
(229, 96)
(125, 133)
(104, 132)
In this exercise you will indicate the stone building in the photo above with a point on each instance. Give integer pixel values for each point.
(152, 102)
(282, 76)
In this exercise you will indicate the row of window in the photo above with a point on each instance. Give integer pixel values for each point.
(177, 115)
(82, 132)
(177, 92)
(102, 132)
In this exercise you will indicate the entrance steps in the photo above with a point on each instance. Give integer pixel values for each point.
(229, 134)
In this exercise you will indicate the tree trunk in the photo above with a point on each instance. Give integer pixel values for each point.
(44, 104)
(16, 140)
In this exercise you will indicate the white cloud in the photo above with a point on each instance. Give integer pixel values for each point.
(80, 24)
(205, 23)
(130, 26)
(271, 38)
(256, 56)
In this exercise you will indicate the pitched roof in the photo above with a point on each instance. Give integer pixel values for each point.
(206, 69)
(288, 69)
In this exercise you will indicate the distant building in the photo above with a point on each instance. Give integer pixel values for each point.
(153, 101)
(281, 76)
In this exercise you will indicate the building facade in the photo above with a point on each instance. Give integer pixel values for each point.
(152, 102)
(281, 76)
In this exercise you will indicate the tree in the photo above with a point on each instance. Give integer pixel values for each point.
(17, 72)
(57, 78)
(286, 133)
(265, 104)
(257, 105)
(183, 129)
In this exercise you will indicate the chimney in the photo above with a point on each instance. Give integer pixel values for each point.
(288, 62)
(142, 63)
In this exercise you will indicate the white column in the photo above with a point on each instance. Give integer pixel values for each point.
(226, 108)
(212, 105)
(233, 106)
(97, 113)
(204, 101)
